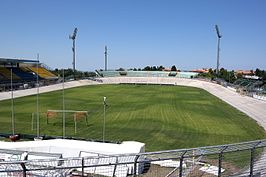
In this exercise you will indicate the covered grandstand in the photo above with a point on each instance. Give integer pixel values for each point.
(24, 73)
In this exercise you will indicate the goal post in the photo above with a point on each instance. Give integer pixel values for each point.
(77, 115)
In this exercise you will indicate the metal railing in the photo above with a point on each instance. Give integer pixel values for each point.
(241, 159)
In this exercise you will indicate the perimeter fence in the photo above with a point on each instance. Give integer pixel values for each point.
(242, 159)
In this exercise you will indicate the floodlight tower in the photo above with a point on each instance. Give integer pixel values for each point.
(218, 49)
(73, 37)
(105, 57)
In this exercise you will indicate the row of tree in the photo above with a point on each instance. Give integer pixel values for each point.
(154, 68)
(261, 74)
(69, 74)
(228, 76)
(231, 76)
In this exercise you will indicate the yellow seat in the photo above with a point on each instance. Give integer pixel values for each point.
(42, 72)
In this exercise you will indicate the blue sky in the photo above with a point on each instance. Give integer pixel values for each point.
(137, 32)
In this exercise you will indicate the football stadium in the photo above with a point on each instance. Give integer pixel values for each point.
(127, 123)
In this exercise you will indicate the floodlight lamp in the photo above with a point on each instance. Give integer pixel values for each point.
(75, 31)
(217, 31)
(73, 37)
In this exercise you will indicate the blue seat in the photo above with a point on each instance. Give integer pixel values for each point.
(24, 75)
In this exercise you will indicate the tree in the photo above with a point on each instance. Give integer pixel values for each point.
(160, 68)
(231, 77)
(120, 69)
(211, 71)
(223, 74)
(147, 68)
(68, 73)
(173, 68)
(258, 72)
(261, 74)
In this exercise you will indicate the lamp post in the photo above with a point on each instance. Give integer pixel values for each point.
(104, 113)
(105, 58)
(218, 49)
(73, 37)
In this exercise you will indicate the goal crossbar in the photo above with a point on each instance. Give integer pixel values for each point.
(67, 111)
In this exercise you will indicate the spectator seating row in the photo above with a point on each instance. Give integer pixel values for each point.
(43, 73)
(24, 74)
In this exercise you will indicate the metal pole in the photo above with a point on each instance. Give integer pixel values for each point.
(218, 49)
(37, 108)
(24, 173)
(87, 119)
(103, 121)
(32, 121)
(82, 166)
(104, 113)
(221, 156)
(181, 167)
(74, 59)
(116, 162)
(64, 119)
(105, 54)
(12, 104)
(252, 152)
(220, 164)
(135, 165)
(73, 37)
(47, 118)
(75, 118)
(218, 57)
(252, 156)
(181, 164)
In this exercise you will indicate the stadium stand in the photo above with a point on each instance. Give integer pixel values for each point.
(24, 74)
(1, 77)
(7, 74)
(42, 72)
(27, 76)
(250, 87)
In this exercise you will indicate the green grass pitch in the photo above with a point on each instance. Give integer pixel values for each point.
(163, 117)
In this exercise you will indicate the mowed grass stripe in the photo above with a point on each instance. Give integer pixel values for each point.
(163, 117)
